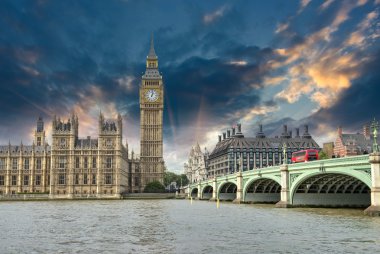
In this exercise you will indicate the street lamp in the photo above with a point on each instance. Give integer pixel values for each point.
(285, 155)
(375, 126)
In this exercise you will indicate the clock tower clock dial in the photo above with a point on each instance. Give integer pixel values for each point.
(151, 121)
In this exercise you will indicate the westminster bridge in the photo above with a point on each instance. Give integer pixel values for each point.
(340, 182)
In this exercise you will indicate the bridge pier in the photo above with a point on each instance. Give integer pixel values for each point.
(199, 194)
(374, 209)
(214, 190)
(239, 190)
(285, 201)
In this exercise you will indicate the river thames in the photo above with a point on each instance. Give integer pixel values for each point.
(178, 226)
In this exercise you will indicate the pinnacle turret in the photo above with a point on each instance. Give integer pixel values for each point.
(152, 52)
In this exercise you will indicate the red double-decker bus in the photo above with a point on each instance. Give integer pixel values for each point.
(305, 155)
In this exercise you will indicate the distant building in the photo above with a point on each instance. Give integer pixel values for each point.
(328, 149)
(195, 168)
(350, 144)
(234, 152)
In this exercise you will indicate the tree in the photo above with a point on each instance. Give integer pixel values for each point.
(322, 155)
(184, 181)
(170, 177)
(154, 187)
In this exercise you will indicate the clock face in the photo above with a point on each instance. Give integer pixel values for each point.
(151, 95)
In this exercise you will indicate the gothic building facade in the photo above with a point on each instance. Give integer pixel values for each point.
(71, 167)
(195, 168)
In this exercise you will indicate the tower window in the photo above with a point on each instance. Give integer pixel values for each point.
(85, 180)
(38, 141)
(61, 179)
(93, 179)
(93, 162)
(14, 180)
(108, 179)
(76, 162)
(26, 180)
(14, 164)
(62, 162)
(3, 164)
(38, 180)
(38, 163)
(109, 162)
(26, 163)
(1, 180)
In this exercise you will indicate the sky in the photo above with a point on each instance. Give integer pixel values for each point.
(223, 62)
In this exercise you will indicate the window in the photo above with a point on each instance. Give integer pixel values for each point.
(93, 179)
(38, 163)
(38, 180)
(38, 141)
(136, 181)
(85, 162)
(14, 163)
(48, 179)
(93, 162)
(26, 163)
(61, 179)
(62, 162)
(109, 162)
(26, 180)
(3, 164)
(108, 179)
(85, 179)
(77, 179)
(63, 142)
(14, 180)
(76, 162)
(1, 180)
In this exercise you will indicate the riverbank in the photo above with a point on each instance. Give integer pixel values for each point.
(46, 197)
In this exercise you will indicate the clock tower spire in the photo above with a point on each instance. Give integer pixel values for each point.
(151, 121)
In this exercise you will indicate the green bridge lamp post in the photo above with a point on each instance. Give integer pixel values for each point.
(285, 185)
(374, 159)
(375, 126)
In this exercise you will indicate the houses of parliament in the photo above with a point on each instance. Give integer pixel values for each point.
(73, 167)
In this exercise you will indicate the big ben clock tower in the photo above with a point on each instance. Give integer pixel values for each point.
(151, 117)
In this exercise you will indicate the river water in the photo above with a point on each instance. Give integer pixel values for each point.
(179, 226)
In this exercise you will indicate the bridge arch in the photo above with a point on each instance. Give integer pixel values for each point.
(262, 190)
(194, 192)
(332, 189)
(207, 192)
(227, 191)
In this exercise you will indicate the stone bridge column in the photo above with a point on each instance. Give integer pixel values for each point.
(188, 191)
(374, 209)
(285, 201)
(239, 191)
(214, 190)
(199, 194)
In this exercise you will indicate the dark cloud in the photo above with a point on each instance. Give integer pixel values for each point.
(357, 105)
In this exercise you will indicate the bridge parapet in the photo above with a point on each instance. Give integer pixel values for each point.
(346, 161)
